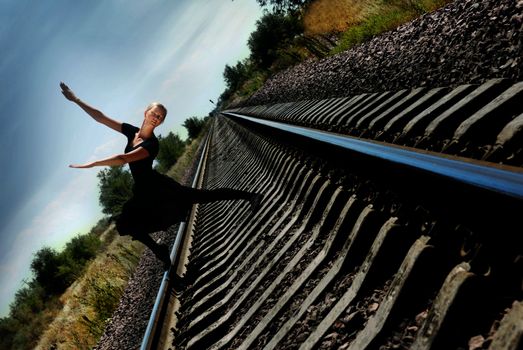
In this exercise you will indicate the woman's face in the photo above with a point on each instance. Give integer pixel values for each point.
(154, 116)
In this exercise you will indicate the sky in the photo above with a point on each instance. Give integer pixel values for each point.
(117, 56)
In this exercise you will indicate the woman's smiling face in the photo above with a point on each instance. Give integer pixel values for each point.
(154, 116)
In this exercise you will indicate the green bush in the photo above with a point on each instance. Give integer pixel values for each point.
(171, 148)
(47, 273)
(115, 189)
(234, 76)
(8, 329)
(274, 32)
(252, 85)
(194, 126)
(54, 271)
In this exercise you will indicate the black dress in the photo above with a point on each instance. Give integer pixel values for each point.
(159, 201)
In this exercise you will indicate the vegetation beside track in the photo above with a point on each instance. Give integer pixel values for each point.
(291, 32)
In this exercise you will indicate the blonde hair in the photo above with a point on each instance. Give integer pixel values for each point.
(159, 105)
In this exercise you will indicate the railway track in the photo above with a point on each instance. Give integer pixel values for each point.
(396, 238)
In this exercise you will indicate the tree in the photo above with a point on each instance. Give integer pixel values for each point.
(115, 189)
(21, 329)
(80, 249)
(234, 76)
(171, 148)
(225, 95)
(77, 253)
(283, 5)
(29, 300)
(274, 31)
(45, 267)
(194, 126)
(8, 329)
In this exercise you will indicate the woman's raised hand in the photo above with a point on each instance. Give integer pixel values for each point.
(80, 166)
(68, 93)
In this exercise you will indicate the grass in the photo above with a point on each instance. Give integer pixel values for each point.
(249, 87)
(372, 26)
(183, 164)
(359, 21)
(90, 300)
(326, 16)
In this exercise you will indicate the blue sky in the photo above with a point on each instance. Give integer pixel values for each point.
(117, 56)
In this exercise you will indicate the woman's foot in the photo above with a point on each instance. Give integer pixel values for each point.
(163, 254)
(180, 283)
(255, 201)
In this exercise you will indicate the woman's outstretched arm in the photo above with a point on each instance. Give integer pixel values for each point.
(118, 159)
(93, 112)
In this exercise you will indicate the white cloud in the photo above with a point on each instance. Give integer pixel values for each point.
(61, 212)
(114, 145)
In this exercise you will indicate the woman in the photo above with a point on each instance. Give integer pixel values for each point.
(158, 201)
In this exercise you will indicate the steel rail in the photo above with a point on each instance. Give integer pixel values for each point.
(507, 180)
(150, 332)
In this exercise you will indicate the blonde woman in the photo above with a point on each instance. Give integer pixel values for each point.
(158, 201)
